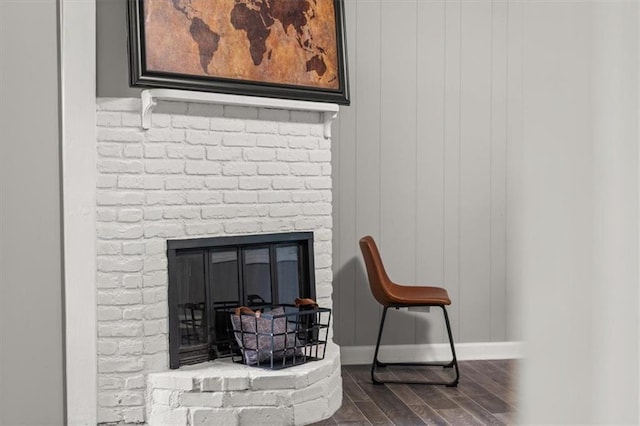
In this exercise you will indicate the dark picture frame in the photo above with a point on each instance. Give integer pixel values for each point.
(287, 49)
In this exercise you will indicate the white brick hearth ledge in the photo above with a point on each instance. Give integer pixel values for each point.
(225, 393)
(149, 101)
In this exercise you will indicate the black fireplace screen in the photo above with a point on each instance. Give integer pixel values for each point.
(208, 276)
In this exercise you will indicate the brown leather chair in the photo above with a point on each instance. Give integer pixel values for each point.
(392, 295)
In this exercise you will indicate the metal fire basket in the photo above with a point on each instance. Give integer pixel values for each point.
(280, 336)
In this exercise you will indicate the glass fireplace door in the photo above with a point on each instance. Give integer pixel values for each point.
(191, 303)
(224, 281)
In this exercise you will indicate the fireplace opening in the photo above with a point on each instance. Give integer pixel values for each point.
(210, 276)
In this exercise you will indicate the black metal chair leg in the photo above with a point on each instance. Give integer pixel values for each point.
(375, 362)
(452, 364)
(454, 361)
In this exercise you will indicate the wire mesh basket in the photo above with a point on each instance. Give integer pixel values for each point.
(280, 336)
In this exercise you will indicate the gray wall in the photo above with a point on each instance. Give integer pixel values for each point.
(31, 341)
(112, 73)
(420, 164)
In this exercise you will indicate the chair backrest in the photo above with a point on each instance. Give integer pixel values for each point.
(378, 279)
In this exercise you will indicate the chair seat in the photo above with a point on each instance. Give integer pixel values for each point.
(417, 296)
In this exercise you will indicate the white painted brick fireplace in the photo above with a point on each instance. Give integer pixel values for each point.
(202, 170)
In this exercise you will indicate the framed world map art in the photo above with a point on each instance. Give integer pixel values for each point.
(291, 49)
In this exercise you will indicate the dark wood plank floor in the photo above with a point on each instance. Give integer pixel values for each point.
(484, 396)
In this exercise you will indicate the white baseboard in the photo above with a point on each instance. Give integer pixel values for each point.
(353, 355)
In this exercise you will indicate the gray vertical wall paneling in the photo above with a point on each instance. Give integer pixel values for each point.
(398, 154)
(452, 160)
(514, 164)
(430, 53)
(431, 100)
(344, 146)
(367, 163)
(475, 171)
(499, 95)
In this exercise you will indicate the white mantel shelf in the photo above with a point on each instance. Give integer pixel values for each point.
(150, 99)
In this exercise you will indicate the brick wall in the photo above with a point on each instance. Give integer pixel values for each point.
(200, 171)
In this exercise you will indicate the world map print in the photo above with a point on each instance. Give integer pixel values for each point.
(289, 42)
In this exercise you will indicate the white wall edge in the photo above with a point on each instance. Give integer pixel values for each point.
(78, 106)
(354, 355)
